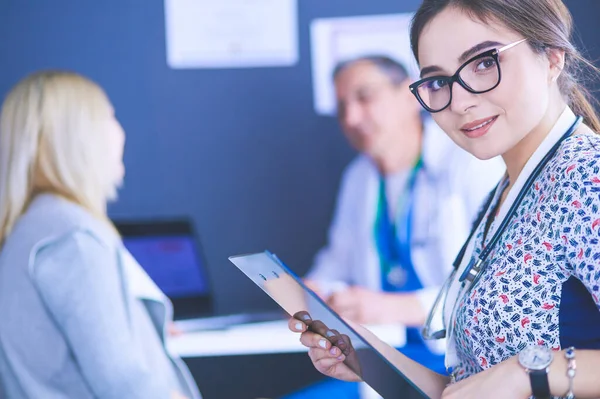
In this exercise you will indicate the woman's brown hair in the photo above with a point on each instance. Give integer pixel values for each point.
(546, 24)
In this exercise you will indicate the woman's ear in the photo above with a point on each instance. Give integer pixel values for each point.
(556, 58)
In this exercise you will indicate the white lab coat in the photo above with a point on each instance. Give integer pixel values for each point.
(450, 188)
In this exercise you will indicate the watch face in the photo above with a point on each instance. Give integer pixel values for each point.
(535, 357)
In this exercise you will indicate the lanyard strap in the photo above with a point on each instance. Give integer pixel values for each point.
(393, 238)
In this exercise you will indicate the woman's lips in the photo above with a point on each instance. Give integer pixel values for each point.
(478, 128)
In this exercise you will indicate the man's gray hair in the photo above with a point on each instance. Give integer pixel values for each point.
(394, 70)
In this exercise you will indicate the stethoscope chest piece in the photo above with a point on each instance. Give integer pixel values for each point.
(474, 268)
(471, 271)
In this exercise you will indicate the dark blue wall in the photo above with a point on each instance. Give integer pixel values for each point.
(241, 150)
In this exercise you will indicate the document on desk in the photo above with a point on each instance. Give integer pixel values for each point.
(288, 290)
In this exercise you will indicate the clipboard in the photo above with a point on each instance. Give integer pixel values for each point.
(278, 281)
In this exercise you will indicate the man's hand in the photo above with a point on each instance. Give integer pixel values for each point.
(172, 330)
(361, 305)
(365, 306)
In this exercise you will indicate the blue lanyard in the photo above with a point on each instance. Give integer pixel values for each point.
(393, 240)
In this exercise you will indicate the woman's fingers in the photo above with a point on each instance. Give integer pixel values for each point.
(320, 328)
(323, 359)
(300, 321)
(319, 346)
(327, 347)
(303, 316)
(314, 340)
(329, 340)
(296, 326)
(342, 342)
(322, 342)
(325, 364)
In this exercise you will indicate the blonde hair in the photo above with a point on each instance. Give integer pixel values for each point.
(51, 141)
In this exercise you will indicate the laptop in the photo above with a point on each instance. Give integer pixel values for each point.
(288, 290)
(170, 253)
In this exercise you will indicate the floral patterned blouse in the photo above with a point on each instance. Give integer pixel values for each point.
(541, 283)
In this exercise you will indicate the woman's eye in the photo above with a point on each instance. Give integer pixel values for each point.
(485, 64)
(437, 84)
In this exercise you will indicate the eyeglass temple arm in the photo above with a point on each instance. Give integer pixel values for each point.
(509, 46)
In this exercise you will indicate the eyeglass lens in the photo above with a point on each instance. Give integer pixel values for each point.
(479, 75)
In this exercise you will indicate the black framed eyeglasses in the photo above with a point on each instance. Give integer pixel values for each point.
(477, 75)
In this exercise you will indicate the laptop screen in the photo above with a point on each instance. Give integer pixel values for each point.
(170, 253)
(171, 262)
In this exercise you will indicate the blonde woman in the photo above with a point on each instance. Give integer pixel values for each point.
(80, 318)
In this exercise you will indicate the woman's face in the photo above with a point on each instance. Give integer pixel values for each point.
(492, 123)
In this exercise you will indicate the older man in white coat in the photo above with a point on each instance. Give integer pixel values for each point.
(405, 205)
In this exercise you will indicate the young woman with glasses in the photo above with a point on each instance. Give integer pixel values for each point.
(521, 310)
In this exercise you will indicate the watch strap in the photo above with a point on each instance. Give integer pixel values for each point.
(540, 386)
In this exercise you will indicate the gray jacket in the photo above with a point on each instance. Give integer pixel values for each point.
(80, 318)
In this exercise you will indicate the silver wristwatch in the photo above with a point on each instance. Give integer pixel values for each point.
(536, 361)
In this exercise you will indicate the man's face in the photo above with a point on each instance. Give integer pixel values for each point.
(371, 109)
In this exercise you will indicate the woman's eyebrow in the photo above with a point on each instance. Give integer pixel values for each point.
(476, 49)
(430, 69)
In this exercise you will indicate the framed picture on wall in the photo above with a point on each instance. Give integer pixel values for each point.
(231, 34)
(334, 40)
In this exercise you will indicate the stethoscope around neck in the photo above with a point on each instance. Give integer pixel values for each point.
(474, 268)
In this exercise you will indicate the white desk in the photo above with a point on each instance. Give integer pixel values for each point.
(258, 339)
(271, 337)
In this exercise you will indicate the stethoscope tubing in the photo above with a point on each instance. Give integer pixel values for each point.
(475, 268)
